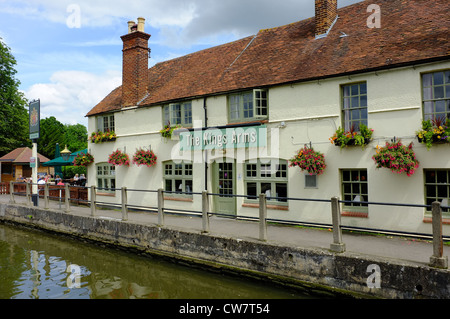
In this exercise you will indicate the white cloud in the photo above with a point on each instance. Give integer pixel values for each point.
(183, 21)
(71, 94)
(178, 26)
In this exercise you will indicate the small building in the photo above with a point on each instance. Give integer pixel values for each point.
(16, 165)
(244, 109)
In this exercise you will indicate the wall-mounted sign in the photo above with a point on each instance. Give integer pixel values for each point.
(34, 162)
(226, 138)
(35, 119)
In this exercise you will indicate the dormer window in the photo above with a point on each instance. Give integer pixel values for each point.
(248, 106)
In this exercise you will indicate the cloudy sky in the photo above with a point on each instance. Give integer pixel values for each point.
(69, 52)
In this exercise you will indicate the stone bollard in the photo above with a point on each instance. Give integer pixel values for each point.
(46, 196)
(337, 246)
(93, 199)
(11, 193)
(438, 260)
(124, 204)
(67, 198)
(27, 187)
(160, 207)
(205, 208)
(262, 217)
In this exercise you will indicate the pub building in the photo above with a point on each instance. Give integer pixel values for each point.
(229, 119)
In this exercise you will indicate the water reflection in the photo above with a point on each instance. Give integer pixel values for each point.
(39, 265)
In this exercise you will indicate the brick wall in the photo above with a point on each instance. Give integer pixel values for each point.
(326, 12)
(135, 68)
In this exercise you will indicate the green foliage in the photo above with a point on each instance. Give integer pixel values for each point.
(14, 131)
(167, 131)
(53, 132)
(344, 138)
(435, 131)
(309, 160)
(76, 137)
(397, 157)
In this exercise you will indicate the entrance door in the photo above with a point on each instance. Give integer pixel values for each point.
(224, 185)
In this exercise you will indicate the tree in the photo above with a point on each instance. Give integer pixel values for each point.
(14, 129)
(52, 132)
(76, 137)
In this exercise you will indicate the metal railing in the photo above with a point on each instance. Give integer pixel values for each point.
(338, 246)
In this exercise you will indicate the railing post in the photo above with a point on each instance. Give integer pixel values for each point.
(11, 193)
(205, 208)
(337, 246)
(46, 196)
(27, 188)
(124, 204)
(262, 217)
(438, 260)
(93, 207)
(67, 198)
(160, 207)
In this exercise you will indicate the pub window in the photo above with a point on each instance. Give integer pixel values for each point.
(436, 95)
(178, 114)
(355, 190)
(354, 106)
(106, 123)
(268, 178)
(247, 106)
(178, 178)
(437, 187)
(106, 178)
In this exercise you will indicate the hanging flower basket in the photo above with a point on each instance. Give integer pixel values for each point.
(309, 160)
(436, 131)
(143, 157)
(117, 158)
(83, 160)
(397, 157)
(100, 137)
(344, 138)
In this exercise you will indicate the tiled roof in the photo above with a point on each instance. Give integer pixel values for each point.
(412, 31)
(22, 155)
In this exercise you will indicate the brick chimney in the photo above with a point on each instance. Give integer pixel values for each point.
(326, 15)
(135, 64)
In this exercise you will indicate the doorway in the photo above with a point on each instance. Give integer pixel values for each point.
(224, 183)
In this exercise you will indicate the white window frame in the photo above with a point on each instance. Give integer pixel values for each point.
(106, 123)
(106, 178)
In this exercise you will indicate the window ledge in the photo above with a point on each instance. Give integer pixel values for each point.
(276, 207)
(106, 194)
(249, 122)
(445, 221)
(178, 199)
(355, 214)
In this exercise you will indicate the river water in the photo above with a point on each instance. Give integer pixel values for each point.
(39, 265)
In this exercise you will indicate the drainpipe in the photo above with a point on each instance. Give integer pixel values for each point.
(205, 109)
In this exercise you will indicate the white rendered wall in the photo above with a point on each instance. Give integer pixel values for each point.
(310, 113)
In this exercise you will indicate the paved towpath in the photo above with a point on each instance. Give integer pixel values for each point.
(412, 250)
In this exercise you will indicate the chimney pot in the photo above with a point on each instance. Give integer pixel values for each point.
(141, 24)
(130, 26)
